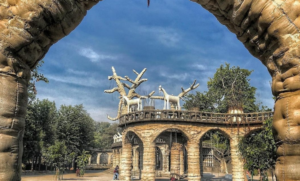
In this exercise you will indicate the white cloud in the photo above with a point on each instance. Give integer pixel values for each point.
(200, 67)
(94, 56)
(78, 80)
(175, 76)
(167, 36)
(77, 72)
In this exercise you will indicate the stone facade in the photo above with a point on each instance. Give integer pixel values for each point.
(100, 159)
(177, 144)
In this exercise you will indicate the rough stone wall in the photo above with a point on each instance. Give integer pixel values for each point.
(175, 158)
(148, 132)
(238, 173)
(27, 30)
(148, 173)
(193, 160)
(269, 29)
(126, 162)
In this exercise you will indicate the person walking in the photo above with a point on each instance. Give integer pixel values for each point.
(77, 172)
(116, 173)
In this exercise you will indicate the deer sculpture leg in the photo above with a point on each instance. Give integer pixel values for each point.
(270, 30)
(27, 30)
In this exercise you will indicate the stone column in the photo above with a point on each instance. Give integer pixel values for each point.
(89, 160)
(136, 160)
(181, 161)
(175, 157)
(114, 158)
(109, 161)
(165, 166)
(201, 159)
(193, 155)
(148, 172)
(98, 158)
(126, 162)
(119, 153)
(236, 160)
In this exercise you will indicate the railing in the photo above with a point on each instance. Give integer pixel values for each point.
(194, 116)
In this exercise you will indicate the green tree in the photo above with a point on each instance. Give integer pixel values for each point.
(37, 128)
(259, 149)
(56, 155)
(199, 100)
(76, 128)
(82, 160)
(104, 132)
(228, 89)
(221, 146)
(39, 131)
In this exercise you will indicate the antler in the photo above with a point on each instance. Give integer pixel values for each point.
(120, 85)
(192, 87)
(135, 83)
(148, 96)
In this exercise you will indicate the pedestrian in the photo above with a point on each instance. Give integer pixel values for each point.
(116, 173)
(172, 178)
(77, 172)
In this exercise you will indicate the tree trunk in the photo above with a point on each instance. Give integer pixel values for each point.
(32, 163)
(27, 30)
(40, 162)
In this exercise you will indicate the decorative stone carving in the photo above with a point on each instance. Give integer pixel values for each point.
(117, 138)
(175, 100)
(121, 89)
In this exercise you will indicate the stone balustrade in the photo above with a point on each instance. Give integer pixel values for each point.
(194, 116)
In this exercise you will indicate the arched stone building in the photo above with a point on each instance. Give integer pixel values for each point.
(159, 143)
(100, 159)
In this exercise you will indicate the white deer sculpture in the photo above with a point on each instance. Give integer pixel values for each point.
(169, 99)
(131, 102)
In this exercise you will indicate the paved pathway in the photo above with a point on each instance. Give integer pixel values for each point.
(107, 175)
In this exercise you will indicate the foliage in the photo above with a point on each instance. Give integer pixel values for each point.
(82, 160)
(40, 128)
(56, 154)
(103, 136)
(75, 127)
(259, 149)
(200, 100)
(229, 88)
(36, 76)
(221, 146)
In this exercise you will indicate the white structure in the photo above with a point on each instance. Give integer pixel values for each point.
(170, 98)
(132, 102)
(117, 138)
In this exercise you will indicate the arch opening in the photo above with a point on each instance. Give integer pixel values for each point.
(94, 158)
(215, 152)
(103, 160)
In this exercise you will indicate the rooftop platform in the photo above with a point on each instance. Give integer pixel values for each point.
(194, 116)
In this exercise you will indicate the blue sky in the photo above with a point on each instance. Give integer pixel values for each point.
(177, 43)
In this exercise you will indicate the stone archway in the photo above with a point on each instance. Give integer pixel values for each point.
(214, 157)
(94, 158)
(103, 159)
(268, 29)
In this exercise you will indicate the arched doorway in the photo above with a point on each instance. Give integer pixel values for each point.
(94, 158)
(158, 159)
(215, 153)
(103, 159)
(170, 153)
(132, 155)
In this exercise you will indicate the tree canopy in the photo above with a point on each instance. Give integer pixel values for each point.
(229, 88)
(259, 149)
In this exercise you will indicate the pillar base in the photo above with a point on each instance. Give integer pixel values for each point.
(194, 178)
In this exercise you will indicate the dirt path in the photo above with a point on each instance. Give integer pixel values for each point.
(99, 175)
